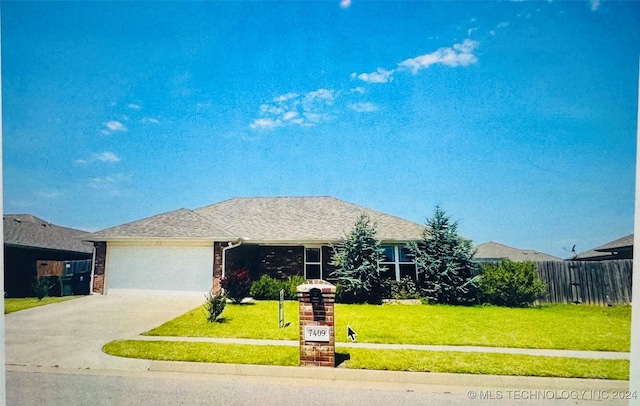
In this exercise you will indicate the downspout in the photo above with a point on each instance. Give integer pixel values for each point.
(224, 254)
(93, 267)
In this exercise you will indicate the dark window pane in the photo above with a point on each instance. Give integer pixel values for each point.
(313, 254)
(389, 272)
(408, 270)
(405, 255)
(389, 254)
(313, 272)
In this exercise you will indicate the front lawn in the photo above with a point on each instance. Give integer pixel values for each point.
(395, 360)
(568, 327)
(16, 304)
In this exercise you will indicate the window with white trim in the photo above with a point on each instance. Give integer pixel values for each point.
(398, 262)
(313, 262)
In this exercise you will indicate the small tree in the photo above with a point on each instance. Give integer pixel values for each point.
(236, 284)
(513, 284)
(357, 264)
(444, 261)
(215, 305)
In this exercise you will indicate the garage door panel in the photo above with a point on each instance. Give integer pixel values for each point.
(148, 268)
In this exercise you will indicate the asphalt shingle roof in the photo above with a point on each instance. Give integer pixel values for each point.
(494, 250)
(302, 219)
(267, 219)
(26, 230)
(179, 224)
(606, 250)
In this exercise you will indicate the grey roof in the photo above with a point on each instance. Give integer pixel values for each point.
(26, 230)
(624, 242)
(608, 250)
(494, 250)
(319, 218)
(178, 224)
(265, 219)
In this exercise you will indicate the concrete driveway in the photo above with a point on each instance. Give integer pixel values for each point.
(71, 334)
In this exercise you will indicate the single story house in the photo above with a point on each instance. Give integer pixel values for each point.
(189, 251)
(492, 252)
(622, 248)
(28, 239)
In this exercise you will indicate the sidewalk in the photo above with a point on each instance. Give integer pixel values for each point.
(465, 348)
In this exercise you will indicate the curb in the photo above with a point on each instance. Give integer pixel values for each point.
(398, 377)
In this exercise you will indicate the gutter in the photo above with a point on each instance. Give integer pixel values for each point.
(224, 254)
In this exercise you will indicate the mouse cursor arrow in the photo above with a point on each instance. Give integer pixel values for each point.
(351, 334)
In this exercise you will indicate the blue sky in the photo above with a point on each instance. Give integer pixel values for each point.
(517, 118)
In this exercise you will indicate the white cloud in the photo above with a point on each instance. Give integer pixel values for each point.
(109, 182)
(363, 107)
(285, 97)
(595, 4)
(115, 126)
(102, 157)
(345, 3)
(134, 106)
(264, 123)
(106, 157)
(294, 109)
(322, 96)
(379, 76)
(458, 55)
(290, 115)
(149, 120)
(358, 89)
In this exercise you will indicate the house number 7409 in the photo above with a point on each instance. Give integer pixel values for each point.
(316, 333)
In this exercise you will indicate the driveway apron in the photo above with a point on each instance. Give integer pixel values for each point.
(71, 334)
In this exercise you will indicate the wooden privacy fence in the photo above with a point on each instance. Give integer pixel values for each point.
(601, 283)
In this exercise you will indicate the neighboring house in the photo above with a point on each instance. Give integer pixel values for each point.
(622, 248)
(493, 251)
(28, 239)
(189, 251)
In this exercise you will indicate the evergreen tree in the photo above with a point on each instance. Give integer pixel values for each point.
(445, 263)
(357, 265)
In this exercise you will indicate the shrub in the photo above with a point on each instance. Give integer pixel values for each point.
(266, 288)
(405, 288)
(512, 284)
(290, 286)
(237, 284)
(41, 287)
(215, 305)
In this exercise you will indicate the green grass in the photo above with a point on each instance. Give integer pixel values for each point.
(550, 327)
(397, 360)
(204, 352)
(17, 304)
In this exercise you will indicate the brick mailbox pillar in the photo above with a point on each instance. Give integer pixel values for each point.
(317, 333)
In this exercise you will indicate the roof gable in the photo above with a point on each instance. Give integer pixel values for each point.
(26, 230)
(179, 224)
(282, 219)
(494, 250)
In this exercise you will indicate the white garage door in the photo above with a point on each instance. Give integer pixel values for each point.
(159, 270)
